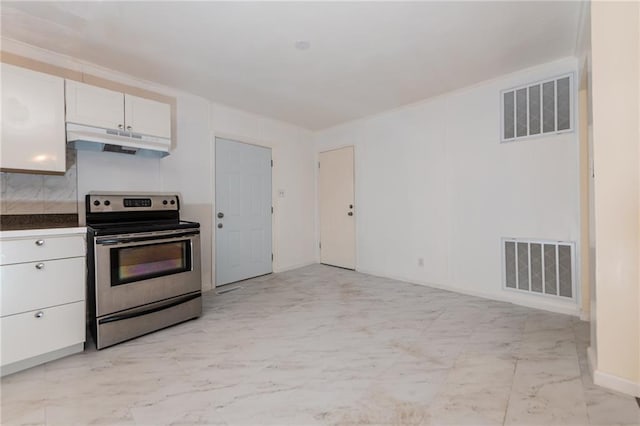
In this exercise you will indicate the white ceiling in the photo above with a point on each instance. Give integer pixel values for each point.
(365, 57)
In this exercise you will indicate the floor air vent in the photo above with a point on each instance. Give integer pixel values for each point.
(538, 266)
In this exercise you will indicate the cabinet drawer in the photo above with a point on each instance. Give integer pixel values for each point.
(34, 285)
(30, 334)
(41, 248)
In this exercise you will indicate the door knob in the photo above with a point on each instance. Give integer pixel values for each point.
(220, 215)
(350, 213)
(219, 225)
(120, 126)
(40, 242)
(128, 127)
(350, 206)
(39, 314)
(39, 265)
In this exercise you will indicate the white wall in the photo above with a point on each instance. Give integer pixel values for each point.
(113, 172)
(433, 181)
(615, 42)
(189, 170)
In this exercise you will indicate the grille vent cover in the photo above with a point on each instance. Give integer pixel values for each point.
(539, 266)
(537, 108)
(118, 148)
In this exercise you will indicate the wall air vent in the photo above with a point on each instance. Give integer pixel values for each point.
(539, 266)
(544, 107)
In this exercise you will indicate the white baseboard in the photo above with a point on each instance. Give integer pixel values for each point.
(295, 266)
(509, 297)
(41, 359)
(275, 271)
(610, 381)
(616, 383)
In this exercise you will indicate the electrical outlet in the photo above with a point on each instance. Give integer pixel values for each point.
(420, 261)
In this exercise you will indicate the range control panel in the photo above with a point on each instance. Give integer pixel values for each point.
(102, 203)
(137, 202)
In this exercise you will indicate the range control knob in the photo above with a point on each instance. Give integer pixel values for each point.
(164, 202)
(96, 203)
(107, 202)
(173, 202)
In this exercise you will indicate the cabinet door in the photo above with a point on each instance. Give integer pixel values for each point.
(38, 332)
(147, 117)
(33, 134)
(94, 106)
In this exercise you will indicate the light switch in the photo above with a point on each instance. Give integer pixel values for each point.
(281, 193)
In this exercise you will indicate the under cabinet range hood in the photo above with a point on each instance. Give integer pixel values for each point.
(91, 138)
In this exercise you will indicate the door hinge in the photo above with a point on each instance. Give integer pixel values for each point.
(272, 257)
(271, 163)
(271, 209)
(318, 164)
(319, 245)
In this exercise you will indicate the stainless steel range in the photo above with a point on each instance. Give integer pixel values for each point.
(144, 265)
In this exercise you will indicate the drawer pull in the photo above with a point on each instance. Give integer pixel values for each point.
(39, 243)
(39, 314)
(39, 265)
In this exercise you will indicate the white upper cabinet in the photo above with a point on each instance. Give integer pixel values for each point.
(94, 106)
(33, 132)
(147, 117)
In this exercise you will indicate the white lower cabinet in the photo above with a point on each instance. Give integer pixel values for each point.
(42, 297)
(38, 332)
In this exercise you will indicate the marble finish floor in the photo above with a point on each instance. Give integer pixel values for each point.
(321, 345)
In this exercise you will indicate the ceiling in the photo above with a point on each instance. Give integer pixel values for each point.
(363, 58)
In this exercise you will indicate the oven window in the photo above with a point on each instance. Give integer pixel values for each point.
(130, 264)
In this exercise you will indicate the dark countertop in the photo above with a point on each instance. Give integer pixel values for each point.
(17, 222)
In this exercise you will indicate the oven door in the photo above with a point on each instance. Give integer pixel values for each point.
(137, 269)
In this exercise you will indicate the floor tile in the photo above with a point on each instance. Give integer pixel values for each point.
(327, 346)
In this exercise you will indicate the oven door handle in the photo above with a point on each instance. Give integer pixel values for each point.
(121, 317)
(113, 241)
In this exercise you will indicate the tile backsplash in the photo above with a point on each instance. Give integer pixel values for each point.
(40, 194)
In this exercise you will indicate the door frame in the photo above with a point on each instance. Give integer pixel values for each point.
(248, 141)
(355, 200)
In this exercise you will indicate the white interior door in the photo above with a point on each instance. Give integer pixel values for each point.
(243, 211)
(337, 220)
